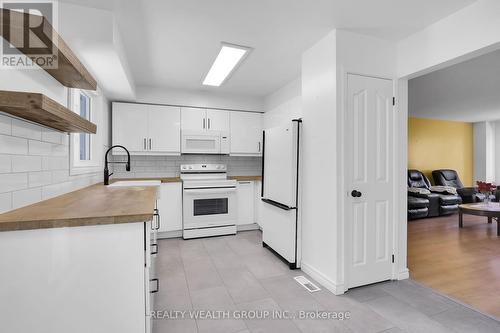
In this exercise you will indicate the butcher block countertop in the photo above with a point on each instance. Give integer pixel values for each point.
(93, 205)
(162, 179)
(246, 178)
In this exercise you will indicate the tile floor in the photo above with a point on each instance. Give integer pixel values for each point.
(236, 273)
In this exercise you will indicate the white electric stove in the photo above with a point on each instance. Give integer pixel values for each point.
(208, 200)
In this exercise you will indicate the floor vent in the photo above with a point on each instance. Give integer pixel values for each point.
(304, 282)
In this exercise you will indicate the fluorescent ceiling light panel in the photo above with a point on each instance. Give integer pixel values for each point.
(229, 57)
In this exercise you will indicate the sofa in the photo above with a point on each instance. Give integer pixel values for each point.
(440, 204)
(447, 177)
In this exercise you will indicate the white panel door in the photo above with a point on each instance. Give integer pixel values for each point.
(193, 119)
(164, 129)
(246, 198)
(280, 164)
(218, 120)
(130, 126)
(246, 133)
(369, 180)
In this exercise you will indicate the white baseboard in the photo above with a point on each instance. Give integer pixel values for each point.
(336, 289)
(170, 234)
(403, 275)
(246, 227)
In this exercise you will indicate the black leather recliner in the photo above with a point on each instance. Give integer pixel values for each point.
(446, 177)
(439, 204)
(417, 208)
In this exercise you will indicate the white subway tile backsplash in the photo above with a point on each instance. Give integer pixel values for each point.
(60, 176)
(26, 130)
(41, 178)
(55, 163)
(40, 148)
(13, 182)
(53, 136)
(26, 197)
(23, 163)
(5, 202)
(59, 150)
(5, 125)
(13, 145)
(5, 163)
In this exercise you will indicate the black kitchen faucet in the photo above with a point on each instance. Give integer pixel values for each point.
(106, 170)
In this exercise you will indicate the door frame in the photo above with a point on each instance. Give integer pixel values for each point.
(344, 236)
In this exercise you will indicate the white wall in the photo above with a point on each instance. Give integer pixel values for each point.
(284, 105)
(171, 96)
(470, 32)
(319, 162)
(324, 73)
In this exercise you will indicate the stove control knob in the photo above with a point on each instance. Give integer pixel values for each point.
(190, 167)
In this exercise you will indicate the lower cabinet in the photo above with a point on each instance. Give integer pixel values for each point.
(246, 212)
(258, 202)
(170, 207)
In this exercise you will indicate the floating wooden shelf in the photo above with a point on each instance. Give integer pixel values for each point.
(40, 109)
(69, 71)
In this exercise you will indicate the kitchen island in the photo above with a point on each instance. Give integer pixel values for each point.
(80, 262)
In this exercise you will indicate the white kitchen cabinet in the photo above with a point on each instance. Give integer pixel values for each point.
(164, 125)
(146, 129)
(218, 120)
(170, 207)
(193, 119)
(204, 120)
(246, 200)
(246, 134)
(130, 127)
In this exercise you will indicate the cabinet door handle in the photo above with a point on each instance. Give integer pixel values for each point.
(203, 123)
(145, 144)
(157, 219)
(208, 123)
(245, 182)
(150, 143)
(157, 286)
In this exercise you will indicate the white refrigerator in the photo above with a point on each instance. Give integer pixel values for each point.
(280, 191)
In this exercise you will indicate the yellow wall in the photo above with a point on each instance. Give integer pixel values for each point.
(438, 144)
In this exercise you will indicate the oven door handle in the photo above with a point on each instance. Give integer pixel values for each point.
(210, 190)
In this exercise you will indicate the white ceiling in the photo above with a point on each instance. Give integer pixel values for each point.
(172, 43)
(469, 91)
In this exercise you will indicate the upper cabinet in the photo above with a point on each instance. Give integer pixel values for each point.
(246, 134)
(203, 119)
(147, 129)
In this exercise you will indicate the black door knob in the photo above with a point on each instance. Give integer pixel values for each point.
(356, 194)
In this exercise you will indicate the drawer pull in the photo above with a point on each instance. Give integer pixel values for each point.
(155, 246)
(157, 286)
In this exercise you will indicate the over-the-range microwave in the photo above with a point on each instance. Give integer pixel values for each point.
(205, 142)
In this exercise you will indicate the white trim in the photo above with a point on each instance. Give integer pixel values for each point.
(337, 289)
(169, 234)
(403, 275)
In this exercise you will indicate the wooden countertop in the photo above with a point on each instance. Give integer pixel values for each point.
(246, 178)
(162, 179)
(178, 179)
(93, 205)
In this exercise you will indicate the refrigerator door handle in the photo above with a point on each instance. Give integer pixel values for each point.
(277, 204)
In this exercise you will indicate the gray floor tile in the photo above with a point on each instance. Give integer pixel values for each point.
(419, 297)
(176, 300)
(268, 324)
(193, 250)
(284, 287)
(405, 316)
(462, 319)
(242, 285)
(201, 274)
(363, 318)
(393, 330)
(243, 246)
(262, 266)
(217, 299)
(172, 277)
(367, 293)
(177, 326)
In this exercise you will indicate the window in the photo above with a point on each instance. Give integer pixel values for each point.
(85, 149)
(84, 144)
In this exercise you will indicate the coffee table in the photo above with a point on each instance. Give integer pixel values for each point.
(490, 210)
